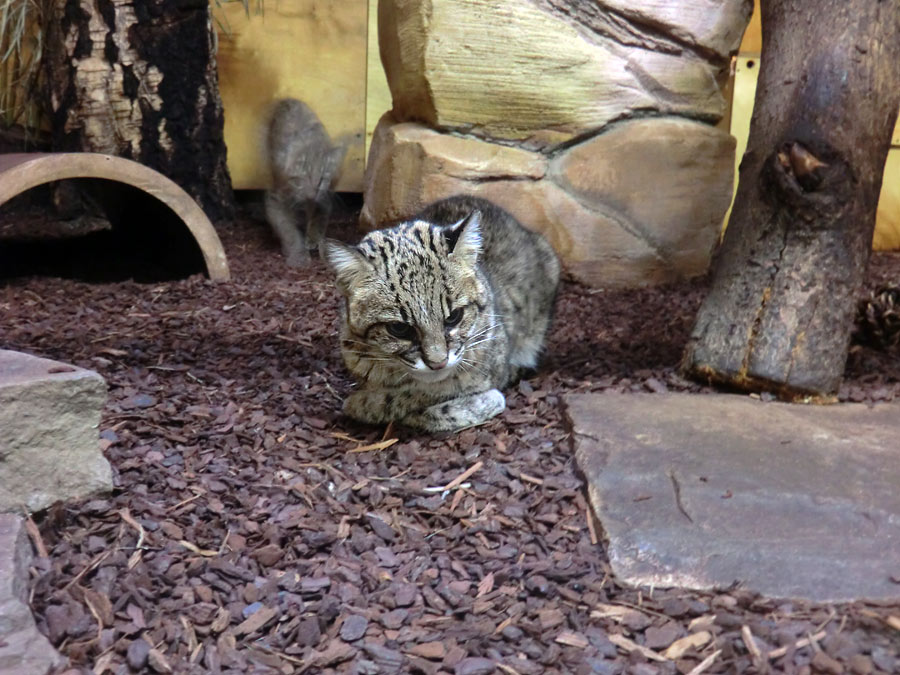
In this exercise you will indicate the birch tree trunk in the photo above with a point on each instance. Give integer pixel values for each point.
(138, 79)
(779, 313)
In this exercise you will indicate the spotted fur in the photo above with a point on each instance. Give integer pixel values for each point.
(441, 312)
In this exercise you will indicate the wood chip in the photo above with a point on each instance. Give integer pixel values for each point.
(604, 611)
(255, 621)
(630, 646)
(571, 639)
(694, 641)
(752, 647)
(193, 548)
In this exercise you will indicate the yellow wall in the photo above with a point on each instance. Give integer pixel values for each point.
(314, 50)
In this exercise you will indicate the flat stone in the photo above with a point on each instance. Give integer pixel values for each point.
(703, 491)
(23, 650)
(49, 440)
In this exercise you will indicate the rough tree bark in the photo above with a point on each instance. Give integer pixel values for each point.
(138, 79)
(779, 314)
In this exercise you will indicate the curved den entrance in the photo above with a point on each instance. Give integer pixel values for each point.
(150, 213)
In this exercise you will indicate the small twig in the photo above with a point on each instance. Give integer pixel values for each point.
(388, 430)
(126, 516)
(35, 534)
(676, 486)
(592, 530)
(381, 445)
(530, 479)
(705, 663)
(461, 478)
(99, 558)
(802, 642)
(183, 502)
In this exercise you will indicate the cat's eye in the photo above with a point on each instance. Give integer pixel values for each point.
(401, 330)
(454, 317)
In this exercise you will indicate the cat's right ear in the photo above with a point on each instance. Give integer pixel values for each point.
(348, 264)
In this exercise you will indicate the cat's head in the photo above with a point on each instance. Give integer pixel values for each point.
(415, 300)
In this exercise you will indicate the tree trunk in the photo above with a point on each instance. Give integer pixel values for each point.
(779, 314)
(138, 79)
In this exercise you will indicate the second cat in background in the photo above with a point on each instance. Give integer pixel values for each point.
(304, 163)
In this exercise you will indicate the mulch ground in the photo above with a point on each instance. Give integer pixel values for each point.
(253, 529)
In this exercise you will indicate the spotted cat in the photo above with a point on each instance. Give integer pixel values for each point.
(304, 163)
(441, 312)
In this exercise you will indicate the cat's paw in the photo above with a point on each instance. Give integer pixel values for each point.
(488, 404)
(298, 259)
(459, 413)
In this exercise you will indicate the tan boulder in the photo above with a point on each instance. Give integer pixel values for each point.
(669, 179)
(411, 165)
(614, 219)
(714, 25)
(526, 71)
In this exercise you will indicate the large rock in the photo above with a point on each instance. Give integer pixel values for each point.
(49, 442)
(541, 74)
(669, 180)
(640, 204)
(704, 491)
(23, 650)
(706, 25)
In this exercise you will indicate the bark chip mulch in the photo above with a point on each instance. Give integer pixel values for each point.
(253, 529)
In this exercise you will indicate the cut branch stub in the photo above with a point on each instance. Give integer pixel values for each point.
(813, 186)
(779, 313)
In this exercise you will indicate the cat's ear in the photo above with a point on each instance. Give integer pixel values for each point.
(464, 238)
(348, 264)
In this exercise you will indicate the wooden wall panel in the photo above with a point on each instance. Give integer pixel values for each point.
(314, 50)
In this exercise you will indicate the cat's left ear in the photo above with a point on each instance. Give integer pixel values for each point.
(464, 238)
(349, 265)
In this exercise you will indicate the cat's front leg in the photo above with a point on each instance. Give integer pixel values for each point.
(370, 407)
(458, 413)
(283, 220)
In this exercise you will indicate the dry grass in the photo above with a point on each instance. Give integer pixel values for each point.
(21, 48)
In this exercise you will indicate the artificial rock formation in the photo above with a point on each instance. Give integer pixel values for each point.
(619, 209)
(591, 122)
(49, 438)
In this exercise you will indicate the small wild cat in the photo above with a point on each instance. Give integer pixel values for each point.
(442, 311)
(304, 162)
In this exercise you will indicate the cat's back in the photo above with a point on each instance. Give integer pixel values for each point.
(510, 250)
(296, 138)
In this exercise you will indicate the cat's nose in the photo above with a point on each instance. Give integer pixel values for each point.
(438, 365)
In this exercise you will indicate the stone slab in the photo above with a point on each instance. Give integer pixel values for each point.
(49, 438)
(701, 491)
(23, 649)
